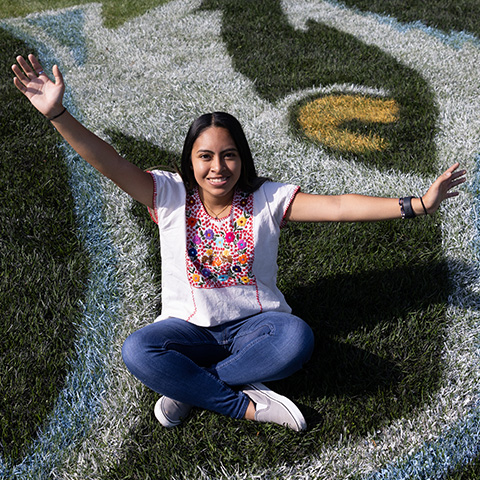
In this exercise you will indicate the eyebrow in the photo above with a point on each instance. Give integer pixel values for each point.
(205, 150)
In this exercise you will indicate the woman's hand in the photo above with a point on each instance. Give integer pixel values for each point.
(45, 95)
(441, 188)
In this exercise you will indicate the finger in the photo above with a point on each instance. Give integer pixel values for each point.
(453, 167)
(58, 75)
(461, 173)
(455, 183)
(37, 66)
(25, 66)
(19, 74)
(452, 194)
(20, 85)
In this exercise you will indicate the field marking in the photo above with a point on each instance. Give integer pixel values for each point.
(195, 75)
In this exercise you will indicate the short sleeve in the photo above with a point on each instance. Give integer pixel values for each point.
(168, 194)
(279, 197)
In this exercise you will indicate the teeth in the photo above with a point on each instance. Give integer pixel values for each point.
(218, 180)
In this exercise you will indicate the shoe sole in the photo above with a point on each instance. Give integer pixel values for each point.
(286, 402)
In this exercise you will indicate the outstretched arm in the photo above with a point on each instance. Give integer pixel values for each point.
(47, 97)
(361, 208)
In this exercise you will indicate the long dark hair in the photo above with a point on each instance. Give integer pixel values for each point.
(249, 181)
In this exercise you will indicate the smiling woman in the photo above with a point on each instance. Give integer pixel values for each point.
(217, 167)
(395, 368)
(220, 325)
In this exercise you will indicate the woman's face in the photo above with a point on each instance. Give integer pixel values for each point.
(216, 165)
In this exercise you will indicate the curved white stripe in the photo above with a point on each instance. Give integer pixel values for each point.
(193, 74)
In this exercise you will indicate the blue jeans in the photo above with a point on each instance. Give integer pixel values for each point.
(201, 366)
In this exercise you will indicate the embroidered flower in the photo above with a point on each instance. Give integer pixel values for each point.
(197, 240)
(241, 221)
(206, 272)
(196, 277)
(216, 262)
(219, 242)
(230, 237)
(245, 280)
(191, 200)
(191, 221)
(207, 260)
(192, 252)
(223, 278)
(226, 258)
(241, 244)
(209, 252)
(209, 234)
(242, 259)
(236, 269)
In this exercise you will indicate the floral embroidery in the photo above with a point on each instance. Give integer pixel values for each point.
(220, 251)
(241, 221)
(241, 244)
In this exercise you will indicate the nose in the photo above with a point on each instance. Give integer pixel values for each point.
(217, 164)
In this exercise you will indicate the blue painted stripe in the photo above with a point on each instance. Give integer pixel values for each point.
(80, 401)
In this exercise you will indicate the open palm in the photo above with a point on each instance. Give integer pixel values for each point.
(46, 96)
(441, 189)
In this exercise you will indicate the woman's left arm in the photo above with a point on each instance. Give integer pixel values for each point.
(362, 208)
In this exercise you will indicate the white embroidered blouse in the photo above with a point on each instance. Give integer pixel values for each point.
(218, 270)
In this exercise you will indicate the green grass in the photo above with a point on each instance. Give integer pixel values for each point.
(42, 264)
(116, 12)
(374, 294)
(446, 15)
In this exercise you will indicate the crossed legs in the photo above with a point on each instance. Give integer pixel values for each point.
(201, 366)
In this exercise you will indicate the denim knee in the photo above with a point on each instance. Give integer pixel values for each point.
(299, 346)
(129, 348)
(133, 350)
(305, 341)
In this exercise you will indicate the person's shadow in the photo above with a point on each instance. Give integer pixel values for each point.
(376, 300)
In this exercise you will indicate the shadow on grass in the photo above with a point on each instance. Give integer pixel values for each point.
(280, 59)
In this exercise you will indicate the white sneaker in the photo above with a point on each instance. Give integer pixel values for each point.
(171, 413)
(275, 408)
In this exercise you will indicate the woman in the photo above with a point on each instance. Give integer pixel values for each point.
(225, 327)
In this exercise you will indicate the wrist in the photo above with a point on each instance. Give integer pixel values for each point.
(425, 211)
(411, 207)
(55, 114)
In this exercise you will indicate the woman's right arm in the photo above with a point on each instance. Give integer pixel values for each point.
(47, 96)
